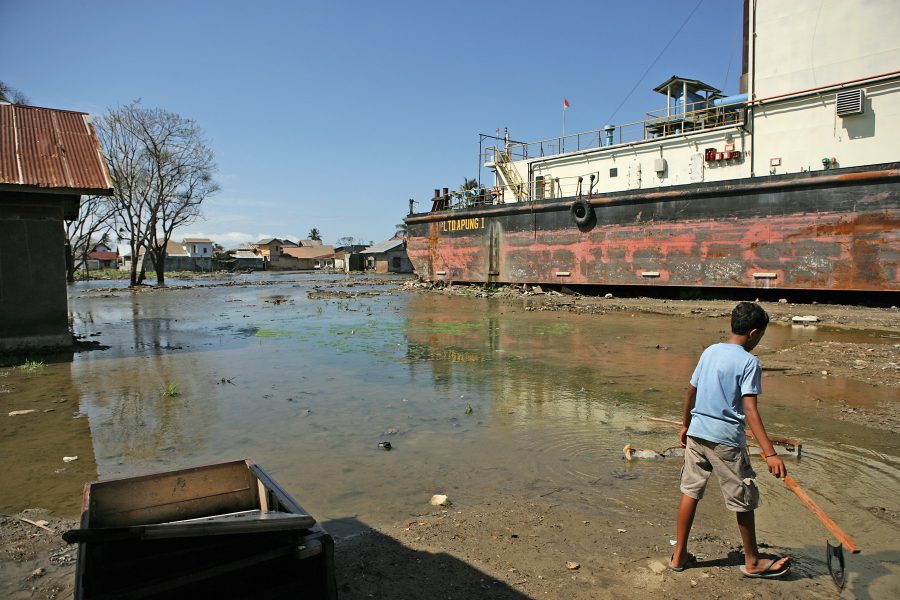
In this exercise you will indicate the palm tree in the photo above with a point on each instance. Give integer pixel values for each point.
(468, 184)
(314, 234)
(402, 230)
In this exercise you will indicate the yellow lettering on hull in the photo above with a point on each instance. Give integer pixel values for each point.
(463, 224)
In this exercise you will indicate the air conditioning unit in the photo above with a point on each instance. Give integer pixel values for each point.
(851, 102)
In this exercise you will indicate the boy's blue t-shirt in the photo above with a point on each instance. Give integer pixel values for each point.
(724, 375)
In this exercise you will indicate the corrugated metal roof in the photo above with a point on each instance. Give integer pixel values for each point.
(196, 241)
(49, 148)
(383, 246)
(103, 255)
(311, 252)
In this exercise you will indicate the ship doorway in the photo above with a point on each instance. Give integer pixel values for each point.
(493, 251)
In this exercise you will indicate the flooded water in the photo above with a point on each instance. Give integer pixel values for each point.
(309, 387)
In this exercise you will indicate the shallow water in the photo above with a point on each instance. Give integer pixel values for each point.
(309, 387)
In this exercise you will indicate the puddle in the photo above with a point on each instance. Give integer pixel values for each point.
(308, 387)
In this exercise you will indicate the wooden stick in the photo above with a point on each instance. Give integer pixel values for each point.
(820, 514)
(775, 439)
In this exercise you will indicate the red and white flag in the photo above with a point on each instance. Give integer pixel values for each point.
(565, 104)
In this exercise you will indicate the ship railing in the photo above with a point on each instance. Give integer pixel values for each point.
(659, 124)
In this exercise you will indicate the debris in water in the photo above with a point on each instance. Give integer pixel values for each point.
(805, 319)
(469, 409)
(440, 500)
(385, 445)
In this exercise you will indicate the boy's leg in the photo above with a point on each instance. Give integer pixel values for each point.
(686, 511)
(753, 562)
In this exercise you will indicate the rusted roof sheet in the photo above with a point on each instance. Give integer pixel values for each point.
(55, 150)
(313, 252)
(103, 255)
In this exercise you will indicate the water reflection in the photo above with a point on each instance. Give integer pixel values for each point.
(309, 387)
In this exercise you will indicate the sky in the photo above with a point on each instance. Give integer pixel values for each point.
(331, 115)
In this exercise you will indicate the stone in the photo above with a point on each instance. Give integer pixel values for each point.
(572, 566)
(440, 500)
(608, 296)
(782, 301)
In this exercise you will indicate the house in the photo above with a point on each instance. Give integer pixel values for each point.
(243, 259)
(288, 244)
(303, 258)
(49, 158)
(388, 256)
(268, 248)
(180, 258)
(99, 256)
(99, 259)
(348, 258)
(309, 243)
(198, 247)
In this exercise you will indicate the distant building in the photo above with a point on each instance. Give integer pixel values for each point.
(179, 257)
(304, 258)
(388, 256)
(198, 247)
(48, 159)
(268, 248)
(309, 243)
(348, 258)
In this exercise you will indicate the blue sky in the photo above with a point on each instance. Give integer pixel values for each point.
(332, 114)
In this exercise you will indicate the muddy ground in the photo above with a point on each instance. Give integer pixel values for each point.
(532, 547)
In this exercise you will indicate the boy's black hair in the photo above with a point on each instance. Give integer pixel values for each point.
(747, 316)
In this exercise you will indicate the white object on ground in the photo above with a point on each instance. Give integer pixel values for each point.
(22, 412)
(805, 319)
(440, 500)
(69, 458)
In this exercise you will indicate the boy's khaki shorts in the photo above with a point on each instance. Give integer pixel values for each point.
(732, 468)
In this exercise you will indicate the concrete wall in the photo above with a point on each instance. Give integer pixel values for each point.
(808, 44)
(33, 305)
(804, 44)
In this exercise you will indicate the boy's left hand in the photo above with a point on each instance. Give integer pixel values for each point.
(776, 466)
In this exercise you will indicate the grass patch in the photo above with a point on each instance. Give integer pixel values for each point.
(31, 366)
(271, 333)
(170, 390)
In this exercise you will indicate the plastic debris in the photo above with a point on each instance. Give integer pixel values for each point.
(16, 413)
(440, 500)
(805, 319)
(69, 458)
(571, 565)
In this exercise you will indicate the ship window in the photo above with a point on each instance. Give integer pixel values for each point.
(614, 172)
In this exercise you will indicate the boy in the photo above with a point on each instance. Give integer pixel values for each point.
(721, 396)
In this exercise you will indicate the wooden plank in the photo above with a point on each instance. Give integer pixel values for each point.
(173, 496)
(247, 522)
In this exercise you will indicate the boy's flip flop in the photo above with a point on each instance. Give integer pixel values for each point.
(690, 558)
(766, 573)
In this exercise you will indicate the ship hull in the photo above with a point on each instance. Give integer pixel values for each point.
(830, 230)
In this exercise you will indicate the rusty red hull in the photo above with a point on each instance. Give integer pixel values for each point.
(832, 230)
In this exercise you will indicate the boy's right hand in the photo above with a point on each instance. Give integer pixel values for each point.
(682, 437)
(776, 466)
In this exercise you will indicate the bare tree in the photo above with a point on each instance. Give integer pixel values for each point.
(11, 94)
(162, 172)
(89, 230)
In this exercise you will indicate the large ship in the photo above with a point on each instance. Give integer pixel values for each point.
(793, 184)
